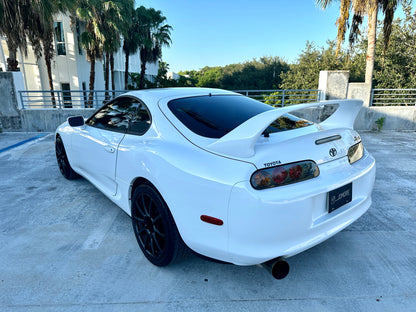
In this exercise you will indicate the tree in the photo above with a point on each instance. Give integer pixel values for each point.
(33, 20)
(304, 74)
(256, 74)
(154, 34)
(131, 42)
(260, 74)
(105, 21)
(112, 23)
(361, 8)
(92, 39)
(13, 27)
(41, 31)
(397, 67)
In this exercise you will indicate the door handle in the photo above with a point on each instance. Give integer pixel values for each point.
(109, 148)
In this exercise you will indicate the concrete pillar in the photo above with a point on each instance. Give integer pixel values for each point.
(334, 84)
(10, 84)
(360, 91)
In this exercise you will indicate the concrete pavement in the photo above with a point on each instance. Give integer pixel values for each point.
(65, 247)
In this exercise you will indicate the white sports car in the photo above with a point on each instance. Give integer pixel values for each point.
(229, 177)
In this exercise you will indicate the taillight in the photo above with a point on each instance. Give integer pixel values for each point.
(355, 152)
(284, 174)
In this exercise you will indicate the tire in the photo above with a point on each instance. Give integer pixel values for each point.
(63, 161)
(154, 227)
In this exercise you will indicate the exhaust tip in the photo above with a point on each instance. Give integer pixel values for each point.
(279, 268)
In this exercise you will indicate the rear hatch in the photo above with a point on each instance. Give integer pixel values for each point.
(303, 144)
(241, 128)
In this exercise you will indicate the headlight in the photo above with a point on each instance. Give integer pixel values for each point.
(285, 174)
(355, 152)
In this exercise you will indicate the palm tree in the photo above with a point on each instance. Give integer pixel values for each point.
(92, 39)
(104, 22)
(131, 42)
(41, 31)
(361, 8)
(13, 27)
(109, 22)
(154, 34)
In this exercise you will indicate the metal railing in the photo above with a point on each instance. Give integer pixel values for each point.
(79, 99)
(283, 97)
(393, 97)
(71, 99)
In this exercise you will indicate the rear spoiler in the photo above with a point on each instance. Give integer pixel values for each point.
(240, 142)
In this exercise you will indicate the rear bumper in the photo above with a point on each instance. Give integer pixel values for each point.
(284, 221)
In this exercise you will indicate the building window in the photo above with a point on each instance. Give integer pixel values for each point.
(66, 95)
(59, 38)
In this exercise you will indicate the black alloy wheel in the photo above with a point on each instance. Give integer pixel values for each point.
(62, 160)
(154, 227)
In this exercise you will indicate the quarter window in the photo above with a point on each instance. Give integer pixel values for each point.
(140, 121)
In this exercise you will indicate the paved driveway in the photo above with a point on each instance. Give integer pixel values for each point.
(66, 247)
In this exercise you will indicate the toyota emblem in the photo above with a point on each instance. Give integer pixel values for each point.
(333, 152)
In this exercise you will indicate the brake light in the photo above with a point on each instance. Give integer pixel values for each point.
(284, 174)
(355, 152)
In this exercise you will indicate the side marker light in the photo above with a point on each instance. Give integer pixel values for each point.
(211, 220)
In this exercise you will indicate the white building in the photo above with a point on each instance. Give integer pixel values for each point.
(70, 67)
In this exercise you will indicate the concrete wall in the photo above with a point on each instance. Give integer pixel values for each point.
(47, 120)
(396, 118)
(13, 118)
(335, 85)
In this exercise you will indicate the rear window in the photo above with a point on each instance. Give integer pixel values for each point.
(215, 116)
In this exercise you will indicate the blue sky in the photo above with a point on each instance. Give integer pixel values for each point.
(217, 33)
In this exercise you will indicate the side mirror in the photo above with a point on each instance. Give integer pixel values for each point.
(76, 121)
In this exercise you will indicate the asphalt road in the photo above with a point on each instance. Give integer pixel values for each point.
(65, 247)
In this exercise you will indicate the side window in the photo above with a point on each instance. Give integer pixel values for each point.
(116, 115)
(140, 121)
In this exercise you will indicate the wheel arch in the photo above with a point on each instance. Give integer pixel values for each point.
(142, 181)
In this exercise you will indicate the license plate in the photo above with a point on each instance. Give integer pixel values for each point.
(339, 197)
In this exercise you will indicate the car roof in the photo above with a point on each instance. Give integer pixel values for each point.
(150, 96)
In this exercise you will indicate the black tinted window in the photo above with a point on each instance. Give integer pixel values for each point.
(140, 121)
(116, 115)
(215, 116)
(287, 122)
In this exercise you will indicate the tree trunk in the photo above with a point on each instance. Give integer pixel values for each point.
(142, 73)
(371, 48)
(126, 71)
(92, 78)
(106, 74)
(12, 62)
(48, 50)
(113, 84)
(49, 70)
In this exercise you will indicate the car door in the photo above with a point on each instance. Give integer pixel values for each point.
(97, 143)
(134, 145)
